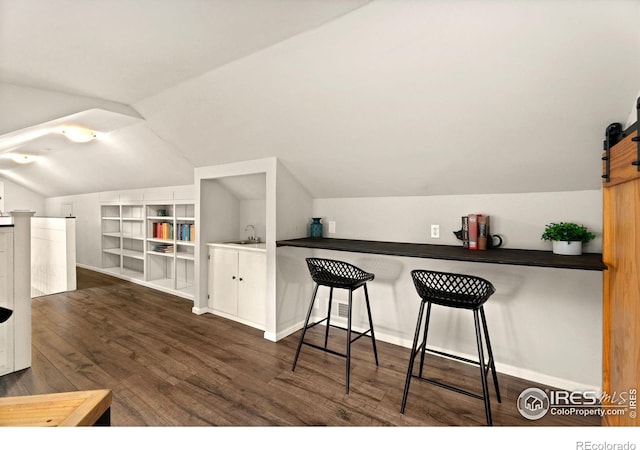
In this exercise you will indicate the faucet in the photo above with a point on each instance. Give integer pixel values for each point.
(253, 233)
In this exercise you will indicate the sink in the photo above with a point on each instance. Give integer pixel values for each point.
(243, 242)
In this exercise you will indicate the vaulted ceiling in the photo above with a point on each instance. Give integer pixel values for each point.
(355, 97)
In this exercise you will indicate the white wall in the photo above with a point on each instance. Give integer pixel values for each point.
(253, 212)
(16, 197)
(86, 209)
(294, 212)
(545, 323)
(519, 218)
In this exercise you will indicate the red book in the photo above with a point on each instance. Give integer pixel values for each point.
(473, 231)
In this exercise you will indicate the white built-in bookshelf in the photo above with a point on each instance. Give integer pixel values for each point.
(150, 243)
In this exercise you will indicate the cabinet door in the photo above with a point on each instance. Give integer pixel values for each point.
(252, 282)
(224, 280)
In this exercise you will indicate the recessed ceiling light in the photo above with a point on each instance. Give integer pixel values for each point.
(78, 134)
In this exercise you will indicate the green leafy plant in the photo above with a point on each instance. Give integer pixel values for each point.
(567, 231)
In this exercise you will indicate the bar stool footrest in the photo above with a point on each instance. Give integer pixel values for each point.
(487, 365)
(448, 386)
(449, 355)
(317, 323)
(320, 347)
(358, 334)
(324, 349)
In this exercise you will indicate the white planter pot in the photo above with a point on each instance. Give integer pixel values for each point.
(567, 247)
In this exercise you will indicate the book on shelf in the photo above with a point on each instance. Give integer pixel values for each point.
(165, 230)
(473, 231)
(186, 232)
(465, 231)
(162, 248)
(483, 231)
(180, 232)
(162, 230)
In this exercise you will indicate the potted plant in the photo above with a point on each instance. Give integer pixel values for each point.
(567, 237)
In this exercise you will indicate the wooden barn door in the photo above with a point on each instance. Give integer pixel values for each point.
(621, 247)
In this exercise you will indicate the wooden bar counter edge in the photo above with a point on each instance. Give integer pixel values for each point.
(70, 409)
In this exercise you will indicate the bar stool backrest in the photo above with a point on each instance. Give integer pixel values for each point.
(340, 274)
(452, 289)
(5, 314)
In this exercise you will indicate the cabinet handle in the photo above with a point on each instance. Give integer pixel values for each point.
(240, 279)
(233, 277)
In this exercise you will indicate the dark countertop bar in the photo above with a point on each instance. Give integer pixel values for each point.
(536, 258)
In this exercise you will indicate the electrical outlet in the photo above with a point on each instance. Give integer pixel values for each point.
(332, 226)
(435, 231)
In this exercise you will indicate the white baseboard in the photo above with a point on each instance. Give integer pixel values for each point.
(536, 378)
(149, 284)
(287, 331)
(200, 311)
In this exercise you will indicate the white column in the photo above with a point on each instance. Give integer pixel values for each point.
(22, 287)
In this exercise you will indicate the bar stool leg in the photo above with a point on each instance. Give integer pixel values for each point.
(416, 336)
(373, 336)
(424, 339)
(485, 388)
(349, 341)
(326, 331)
(304, 328)
(492, 364)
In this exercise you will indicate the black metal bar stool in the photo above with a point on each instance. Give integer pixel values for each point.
(453, 291)
(340, 275)
(5, 314)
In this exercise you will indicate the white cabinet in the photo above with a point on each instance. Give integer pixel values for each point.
(223, 280)
(237, 283)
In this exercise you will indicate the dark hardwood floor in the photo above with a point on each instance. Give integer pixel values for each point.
(169, 367)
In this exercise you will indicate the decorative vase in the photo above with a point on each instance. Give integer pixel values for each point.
(567, 247)
(315, 229)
